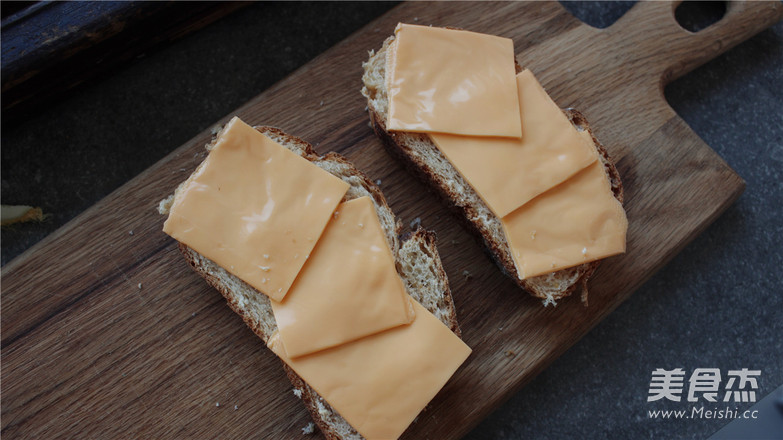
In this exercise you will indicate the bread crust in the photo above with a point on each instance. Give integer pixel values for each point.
(397, 144)
(418, 244)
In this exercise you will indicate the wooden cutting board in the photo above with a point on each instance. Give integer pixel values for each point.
(107, 333)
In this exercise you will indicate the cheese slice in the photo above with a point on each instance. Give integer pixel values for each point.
(349, 288)
(507, 173)
(453, 81)
(575, 222)
(255, 208)
(380, 383)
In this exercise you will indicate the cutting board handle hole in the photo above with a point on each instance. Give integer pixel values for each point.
(595, 14)
(697, 15)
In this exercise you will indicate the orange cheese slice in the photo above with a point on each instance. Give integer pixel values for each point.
(349, 288)
(575, 222)
(452, 81)
(255, 208)
(507, 173)
(380, 383)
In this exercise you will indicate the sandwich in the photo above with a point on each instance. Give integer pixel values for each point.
(527, 179)
(307, 251)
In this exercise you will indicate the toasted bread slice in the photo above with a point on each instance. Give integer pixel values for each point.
(417, 262)
(422, 158)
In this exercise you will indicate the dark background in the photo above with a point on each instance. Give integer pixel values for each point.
(717, 304)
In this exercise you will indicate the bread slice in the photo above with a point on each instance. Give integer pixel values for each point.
(422, 158)
(417, 262)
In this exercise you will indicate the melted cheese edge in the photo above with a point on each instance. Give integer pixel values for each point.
(576, 222)
(507, 173)
(348, 289)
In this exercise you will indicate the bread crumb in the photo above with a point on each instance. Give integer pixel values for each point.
(130, 232)
(466, 273)
(336, 213)
(139, 286)
(415, 18)
(378, 182)
(236, 407)
(217, 403)
(322, 103)
(584, 293)
(165, 205)
(309, 429)
(266, 256)
(415, 223)
(533, 235)
(297, 392)
(584, 251)
(510, 354)
(264, 268)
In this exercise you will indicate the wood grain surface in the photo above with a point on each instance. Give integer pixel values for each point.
(107, 333)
